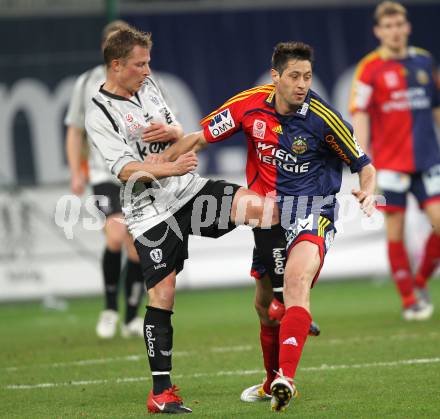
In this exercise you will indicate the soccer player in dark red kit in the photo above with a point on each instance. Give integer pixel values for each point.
(395, 102)
(297, 144)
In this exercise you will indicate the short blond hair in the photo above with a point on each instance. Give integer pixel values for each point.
(389, 8)
(111, 27)
(120, 44)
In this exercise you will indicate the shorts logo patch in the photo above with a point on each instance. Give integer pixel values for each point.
(329, 238)
(300, 225)
(259, 129)
(156, 255)
(221, 123)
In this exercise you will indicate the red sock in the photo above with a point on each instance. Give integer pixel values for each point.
(294, 329)
(269, 338)
(401, 272)
(430, 261)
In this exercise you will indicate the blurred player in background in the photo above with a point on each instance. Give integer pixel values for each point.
(160, 200)
(395, 103)
(297, 144)
(106, 186)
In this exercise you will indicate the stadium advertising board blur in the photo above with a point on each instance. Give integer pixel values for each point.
(201, 59)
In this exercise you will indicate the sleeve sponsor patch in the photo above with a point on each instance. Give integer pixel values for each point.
(221, 123)
(362, 94)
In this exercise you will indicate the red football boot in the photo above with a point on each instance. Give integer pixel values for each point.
(166, 402)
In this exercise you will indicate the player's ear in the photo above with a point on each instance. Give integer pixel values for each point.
(376, 31)
(115, 65)
(275, 75)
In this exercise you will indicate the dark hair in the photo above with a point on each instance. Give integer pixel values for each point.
(120, 43)
(388, 8)
(285, 51)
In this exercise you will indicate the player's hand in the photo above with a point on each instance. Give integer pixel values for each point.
(158, 132)
(155, 158)
(78, 184)
(366, 201)
(185, 163)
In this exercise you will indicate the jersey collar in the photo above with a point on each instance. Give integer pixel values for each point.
(300, 113)
(118, 97)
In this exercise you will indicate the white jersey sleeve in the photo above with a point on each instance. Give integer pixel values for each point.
(104, 133)
(76, 113)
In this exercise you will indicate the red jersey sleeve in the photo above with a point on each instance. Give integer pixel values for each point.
(362, 86)
(224, 121)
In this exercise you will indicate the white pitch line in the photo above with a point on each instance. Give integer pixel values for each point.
(130, 358)
(323, 367)
(225, 349)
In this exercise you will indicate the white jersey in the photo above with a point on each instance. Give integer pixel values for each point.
(115, 124)
(86, 87)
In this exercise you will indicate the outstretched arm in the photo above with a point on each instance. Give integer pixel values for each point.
(160, 132)
(191, 142)
(367, 183)
(361, 127)
(147, 172)
(74, 144)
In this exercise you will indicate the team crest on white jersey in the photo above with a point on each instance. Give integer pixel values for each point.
(156, 255)
(259, 129)
(129, 117)
(155, 100)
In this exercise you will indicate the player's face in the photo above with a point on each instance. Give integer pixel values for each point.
(393, 32)
(134, 69)
(292, 86)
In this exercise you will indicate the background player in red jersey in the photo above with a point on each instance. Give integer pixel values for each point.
(395, 101)
(296, 146)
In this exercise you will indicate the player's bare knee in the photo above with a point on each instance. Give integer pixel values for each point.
(296, 284)
(162, 298)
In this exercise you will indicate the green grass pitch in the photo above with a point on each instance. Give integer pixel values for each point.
(367, 363)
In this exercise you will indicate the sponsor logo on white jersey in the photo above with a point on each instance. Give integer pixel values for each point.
(221, 123)
(259, 129)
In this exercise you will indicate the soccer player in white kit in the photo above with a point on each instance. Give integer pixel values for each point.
(105, 185)
(163, 202)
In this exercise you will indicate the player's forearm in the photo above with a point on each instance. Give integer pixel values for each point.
(191, 142)
(176, 132)
(367, 179)
(146, 172)
(361, 127)
(74, 143)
